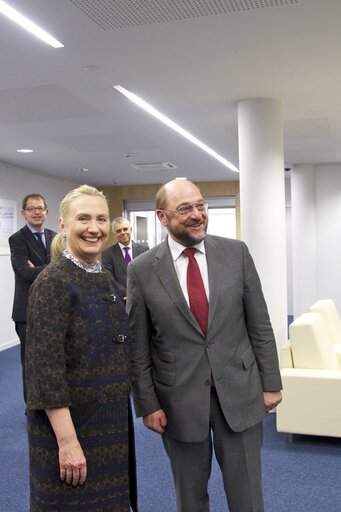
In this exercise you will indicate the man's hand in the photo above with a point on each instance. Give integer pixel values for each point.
(30, 264)
(156, 421)
(271, 399)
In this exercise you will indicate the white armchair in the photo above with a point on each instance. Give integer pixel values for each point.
(311, 375)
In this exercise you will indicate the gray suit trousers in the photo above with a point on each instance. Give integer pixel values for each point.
(238, 455)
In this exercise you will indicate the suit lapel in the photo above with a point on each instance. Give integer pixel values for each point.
(164, 268)
(134, 249)
(118, 257)
(33, 243)
(216, 267)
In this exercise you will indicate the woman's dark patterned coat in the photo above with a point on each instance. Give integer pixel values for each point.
(77, 356)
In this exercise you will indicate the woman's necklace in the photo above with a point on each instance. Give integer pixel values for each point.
(94, 268)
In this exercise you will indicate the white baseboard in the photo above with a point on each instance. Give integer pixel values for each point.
(9, 344)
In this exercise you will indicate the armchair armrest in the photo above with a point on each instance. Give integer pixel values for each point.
(285, 356)
(311, 402)
(337, 349)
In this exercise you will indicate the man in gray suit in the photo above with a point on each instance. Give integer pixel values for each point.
(116, 257)
(198, 385)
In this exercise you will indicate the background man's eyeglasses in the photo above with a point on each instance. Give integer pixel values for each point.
(186, 209)
(32, 209)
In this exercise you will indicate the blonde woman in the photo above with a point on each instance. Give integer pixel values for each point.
(77, 372)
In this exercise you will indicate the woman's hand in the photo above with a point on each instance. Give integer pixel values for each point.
(72, 463)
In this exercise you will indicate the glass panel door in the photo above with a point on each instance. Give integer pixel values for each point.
(222, 222)
(143, 224)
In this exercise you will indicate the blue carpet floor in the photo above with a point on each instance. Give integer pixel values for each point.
(301, 477)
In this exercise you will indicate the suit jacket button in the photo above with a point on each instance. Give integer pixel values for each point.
(208, 382)
(120, 338)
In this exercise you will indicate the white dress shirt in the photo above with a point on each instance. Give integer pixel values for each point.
(130, 249)
(181, 264)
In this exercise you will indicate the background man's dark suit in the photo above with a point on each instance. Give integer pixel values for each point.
(25, 247)
(113, 261)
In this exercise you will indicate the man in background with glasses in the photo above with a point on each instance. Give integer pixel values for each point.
(204, 358)
(30, 253)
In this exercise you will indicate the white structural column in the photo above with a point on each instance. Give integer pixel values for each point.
(304, 255)
(262, 200)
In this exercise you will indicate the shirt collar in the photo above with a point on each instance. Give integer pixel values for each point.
(176, 249)
(34, 230)
(123, 246)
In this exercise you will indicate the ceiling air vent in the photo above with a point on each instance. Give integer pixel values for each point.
(155, 166)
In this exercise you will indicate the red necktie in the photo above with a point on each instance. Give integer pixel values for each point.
(196, 290)
(127, 257)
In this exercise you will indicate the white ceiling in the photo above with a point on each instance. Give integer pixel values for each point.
(192, 59)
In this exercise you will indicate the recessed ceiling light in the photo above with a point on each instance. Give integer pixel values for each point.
(25, 150)
(85, 169)
(91, 68)
(28, 25)
(167, 121)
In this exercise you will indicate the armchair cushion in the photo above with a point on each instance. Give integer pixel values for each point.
(330, 314)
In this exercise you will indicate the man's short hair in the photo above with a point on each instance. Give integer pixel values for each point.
(162, 193)
(119, 220)
(32, 196)
(161, 197)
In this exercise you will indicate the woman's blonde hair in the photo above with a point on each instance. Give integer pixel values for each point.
(59, 242)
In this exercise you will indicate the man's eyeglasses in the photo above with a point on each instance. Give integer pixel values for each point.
(33, 209)
(186, 209)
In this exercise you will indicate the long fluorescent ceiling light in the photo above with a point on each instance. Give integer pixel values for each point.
(28, 25)
(148, 108)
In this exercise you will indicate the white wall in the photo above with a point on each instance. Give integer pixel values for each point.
(318, 275)
(304, 240)
(328, 232)
(15, 183)
(289, 246)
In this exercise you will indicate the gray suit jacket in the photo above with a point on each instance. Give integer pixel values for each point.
(173, 361)
(113, 261)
